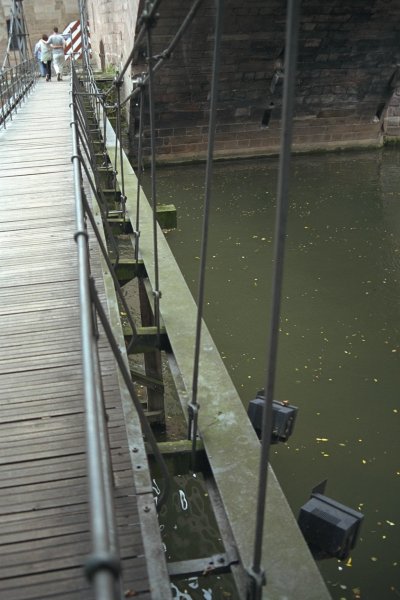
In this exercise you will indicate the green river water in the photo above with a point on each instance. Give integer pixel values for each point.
(339, 346)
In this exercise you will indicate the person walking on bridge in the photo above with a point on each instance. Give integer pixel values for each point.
(38, 56)
(57, 44)
(45, 55)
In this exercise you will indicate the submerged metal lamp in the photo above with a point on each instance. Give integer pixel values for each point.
(330, 528)
(283, 417)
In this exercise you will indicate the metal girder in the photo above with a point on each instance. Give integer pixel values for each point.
(18, 29)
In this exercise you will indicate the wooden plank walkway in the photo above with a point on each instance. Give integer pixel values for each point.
(44, 532)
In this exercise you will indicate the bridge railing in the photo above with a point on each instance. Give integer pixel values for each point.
(103, 567)
(15, 83)
(17, 71)
(255, 569)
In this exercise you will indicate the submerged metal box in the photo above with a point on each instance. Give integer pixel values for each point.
(330, 528)
(283, 417)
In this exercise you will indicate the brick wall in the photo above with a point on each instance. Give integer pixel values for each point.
(348, 54)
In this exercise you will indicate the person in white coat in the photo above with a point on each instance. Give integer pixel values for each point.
(38, 56)
(45, 55)
(57, 44)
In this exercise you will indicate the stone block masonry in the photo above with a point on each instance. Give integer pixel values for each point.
(345, 95)
(41, 16)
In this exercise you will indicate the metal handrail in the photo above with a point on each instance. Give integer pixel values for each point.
(15, 83)
(16, 80)
(257, 577)
(89, 168)
(103, 567)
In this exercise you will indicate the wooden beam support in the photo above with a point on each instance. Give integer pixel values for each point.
(113, 197)
(118, 225)
(106, 177)
(147, 339)
(128, 269)
(166, 217)
(178, 456)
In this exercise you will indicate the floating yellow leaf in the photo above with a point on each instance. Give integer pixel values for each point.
(321, 439)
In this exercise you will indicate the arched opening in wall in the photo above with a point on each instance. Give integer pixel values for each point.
(102, 56)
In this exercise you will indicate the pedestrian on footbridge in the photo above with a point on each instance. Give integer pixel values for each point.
(57, 43)
(45, 55)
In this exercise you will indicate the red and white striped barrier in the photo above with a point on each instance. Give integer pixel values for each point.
(73, 40)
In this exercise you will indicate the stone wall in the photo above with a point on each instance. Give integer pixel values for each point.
(112, 34)
(348, 54)
(41, 16)
(112, 29)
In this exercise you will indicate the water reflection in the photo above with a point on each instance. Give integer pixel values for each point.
(339, 342)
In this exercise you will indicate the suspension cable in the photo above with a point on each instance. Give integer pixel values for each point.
(118, 141)
(139, 174)
(156, 292)
(292, 26)
(193, 406)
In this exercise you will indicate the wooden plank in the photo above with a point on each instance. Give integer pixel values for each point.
(57, 493)
(56, 289)
(10, 450)
(45, 523)
(54, 468)
(52, 583)
(76, 522)
(62, 545)
(44, 526)
(48, 427)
